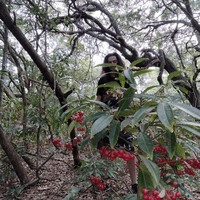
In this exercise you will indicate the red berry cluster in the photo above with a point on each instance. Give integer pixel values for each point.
(163, 161)
(163, 174)
(187, 170)
(76, 140)
(159, 149)
(98, 181)
(173, 195)
(179, 173)
(84, 136)
(117, 153)
(150, 195)
(69, 147)
(193, 163)
(78, 117)
(80, 129)
(153, 195)
(57, 142)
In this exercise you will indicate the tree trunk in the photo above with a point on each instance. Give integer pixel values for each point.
(14, 158)
(7, 147)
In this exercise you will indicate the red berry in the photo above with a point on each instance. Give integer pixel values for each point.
(157, 197)
(116, 153)
(132, 156)
(102, 148)
(178, 194)
(175, 184)
(144, 191)
(145, 197)
(169, 192)
(121, 152)
(111, 158)
(173, 197)
(155, 193)
(106, 153)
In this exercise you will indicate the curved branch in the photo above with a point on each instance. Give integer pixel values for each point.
(188, 13)
(108, 14)
(162, 23)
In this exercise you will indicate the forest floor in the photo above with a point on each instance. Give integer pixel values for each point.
(57, 177)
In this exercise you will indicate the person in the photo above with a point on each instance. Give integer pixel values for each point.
(104, 95)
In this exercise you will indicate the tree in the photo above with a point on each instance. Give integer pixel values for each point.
(156, 25)
(165, 21)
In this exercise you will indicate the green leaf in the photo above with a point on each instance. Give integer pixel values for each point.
(170, 143)
(192, 147)
(151, 87)
(100, 104)
(129, 75)
(85, 142)
(112, 173)
(173, 74)
(69, 196)
(144, 180)
(114, 134)
(187, 192)
(3, 178)
(183, 89)
(127, 112)
(126, 122)
(71, 126)
(137, 61)
(188, 109)
(126, 100)
(149, 96)
(75, 189)
(141, 113)
(166, 116)
(144, 71)
(153, 170)
(70, 112)
(180, 150)
(146, 144)
(191, 130)
(94, 116)
(143, 127)
(188, 123)
(122, 80)
(100, 124)
(129, 197)
(110, 84)
(97, 138)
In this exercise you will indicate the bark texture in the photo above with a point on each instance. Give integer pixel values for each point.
(14, 158)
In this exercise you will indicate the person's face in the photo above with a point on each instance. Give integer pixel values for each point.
(112, 60)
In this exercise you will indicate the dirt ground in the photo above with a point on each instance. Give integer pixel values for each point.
(57, 177)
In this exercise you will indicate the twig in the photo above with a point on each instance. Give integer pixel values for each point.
(33, 80)
(45, 161)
